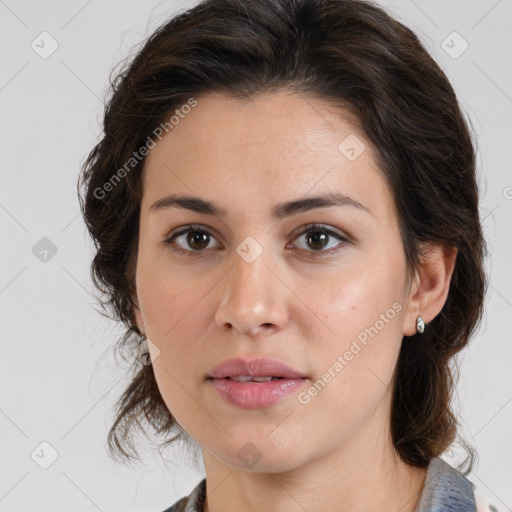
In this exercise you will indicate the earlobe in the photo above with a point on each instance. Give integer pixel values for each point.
(431, 285)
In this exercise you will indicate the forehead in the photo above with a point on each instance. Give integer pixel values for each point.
(274, 147)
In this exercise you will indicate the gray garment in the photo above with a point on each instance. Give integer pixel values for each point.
(446, 490)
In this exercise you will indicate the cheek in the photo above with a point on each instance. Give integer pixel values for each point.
(169, 299)
(356, 303)
(173, 309)
(361, 339)
(176, 310)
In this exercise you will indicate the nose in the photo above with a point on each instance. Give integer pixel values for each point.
(253, 299)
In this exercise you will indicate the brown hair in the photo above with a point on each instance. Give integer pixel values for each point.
(350, 53)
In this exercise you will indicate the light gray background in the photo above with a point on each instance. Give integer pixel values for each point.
(55, 385)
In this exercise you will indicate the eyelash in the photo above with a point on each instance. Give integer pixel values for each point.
(309, 228)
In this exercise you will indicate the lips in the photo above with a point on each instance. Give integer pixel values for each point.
(261, 367)
(235, 381)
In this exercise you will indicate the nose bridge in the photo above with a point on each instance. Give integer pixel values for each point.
(251, 298)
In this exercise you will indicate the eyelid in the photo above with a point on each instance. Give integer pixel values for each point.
(343, 238)
(331, 231)
(320, 227)
(185, 229)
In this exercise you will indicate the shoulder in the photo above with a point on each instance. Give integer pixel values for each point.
(194, 502)
(483, 505)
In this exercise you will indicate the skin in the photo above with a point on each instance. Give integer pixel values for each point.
(335, 452)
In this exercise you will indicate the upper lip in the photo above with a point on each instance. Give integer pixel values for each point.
(261, 367)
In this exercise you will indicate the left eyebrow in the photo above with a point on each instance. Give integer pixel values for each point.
(281, 210)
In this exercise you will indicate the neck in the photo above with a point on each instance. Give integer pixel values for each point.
(359, 476)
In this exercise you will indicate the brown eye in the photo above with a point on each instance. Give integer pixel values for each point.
(190, 240)
(319, 241)
(197, 239)
(318, 238)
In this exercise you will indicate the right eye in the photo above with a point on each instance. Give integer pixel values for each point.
(192, 239)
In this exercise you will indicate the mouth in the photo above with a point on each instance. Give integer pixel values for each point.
(251, 392)
(255, 383)
(254, 370)
(249, 378)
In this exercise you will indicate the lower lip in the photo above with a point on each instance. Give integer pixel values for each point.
(252, 395)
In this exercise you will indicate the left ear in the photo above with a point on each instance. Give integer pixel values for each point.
(430, 286)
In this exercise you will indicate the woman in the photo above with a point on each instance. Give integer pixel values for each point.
(285, 212)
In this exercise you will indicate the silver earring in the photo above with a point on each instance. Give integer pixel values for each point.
(420, 324)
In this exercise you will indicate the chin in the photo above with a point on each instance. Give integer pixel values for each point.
(260, 456)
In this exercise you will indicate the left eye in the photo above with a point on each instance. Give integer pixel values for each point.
(198, 239)
(318, 238)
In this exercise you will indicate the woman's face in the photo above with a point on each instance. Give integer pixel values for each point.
(330, 302)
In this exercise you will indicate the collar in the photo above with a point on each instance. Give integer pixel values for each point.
(446, 490)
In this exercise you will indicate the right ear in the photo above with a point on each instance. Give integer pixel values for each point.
(139, 321)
